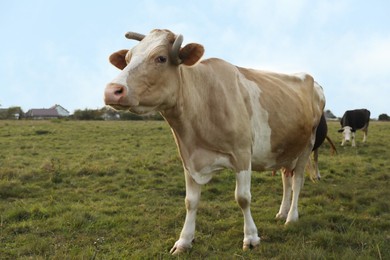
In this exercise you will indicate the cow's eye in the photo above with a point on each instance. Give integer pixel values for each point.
(161, 59)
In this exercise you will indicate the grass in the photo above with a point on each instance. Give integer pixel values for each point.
(115, 190)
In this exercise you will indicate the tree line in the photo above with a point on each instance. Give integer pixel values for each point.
(110, 114)
(104, 113)
(107, 113)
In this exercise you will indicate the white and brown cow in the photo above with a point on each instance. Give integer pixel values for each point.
(353, 120)
(222, 116)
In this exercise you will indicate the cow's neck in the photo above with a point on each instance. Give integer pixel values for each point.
(203, 119)
(201, 98)
(192, 104)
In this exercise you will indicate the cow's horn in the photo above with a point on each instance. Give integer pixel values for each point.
(175, 50)
(134, 36)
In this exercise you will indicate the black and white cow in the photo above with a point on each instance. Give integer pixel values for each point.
(353, 120)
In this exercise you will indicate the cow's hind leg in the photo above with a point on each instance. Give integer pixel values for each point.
(297, 184)
(243, 198)
(365, 132)
(286, 201)
(193, 191)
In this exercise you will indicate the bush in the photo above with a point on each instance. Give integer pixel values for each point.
(88, 114)
(384, 117)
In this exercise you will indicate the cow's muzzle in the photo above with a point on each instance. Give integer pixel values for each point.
(115, 94)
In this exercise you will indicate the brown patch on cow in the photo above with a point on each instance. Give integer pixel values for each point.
(291, 102)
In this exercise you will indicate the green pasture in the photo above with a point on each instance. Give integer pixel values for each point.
(115, 190)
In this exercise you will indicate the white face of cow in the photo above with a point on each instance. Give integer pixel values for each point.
(149, 80)
(347, 133)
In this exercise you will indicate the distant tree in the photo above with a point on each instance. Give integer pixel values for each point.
(130, 116)
(12, 113)
(15, 112)
(157, 116)
(107, 113)
(87, 114)
(329, 114)
(384, 117)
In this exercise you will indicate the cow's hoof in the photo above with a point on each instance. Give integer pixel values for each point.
(251, 243)
(281, 216)
(177, 250)
(180, 246)
(292, 217)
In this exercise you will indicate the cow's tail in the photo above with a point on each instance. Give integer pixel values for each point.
(333, 149)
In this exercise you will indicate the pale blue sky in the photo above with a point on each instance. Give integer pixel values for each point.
(56, 52)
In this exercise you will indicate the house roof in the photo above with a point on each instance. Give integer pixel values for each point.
(42, 112)
(54, 111)
(56, 106)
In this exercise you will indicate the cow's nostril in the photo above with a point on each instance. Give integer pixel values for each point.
(118, 91)
(115, 94)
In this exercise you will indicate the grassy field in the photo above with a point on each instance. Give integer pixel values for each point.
(115, 190)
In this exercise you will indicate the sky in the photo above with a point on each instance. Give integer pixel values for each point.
(56, 52)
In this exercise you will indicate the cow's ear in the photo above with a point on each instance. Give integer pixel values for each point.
(340, 130)
(118, 59)
(191, 53)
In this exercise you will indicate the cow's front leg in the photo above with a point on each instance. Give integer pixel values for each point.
(243, 198)
(187, 234)
(343, 141)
